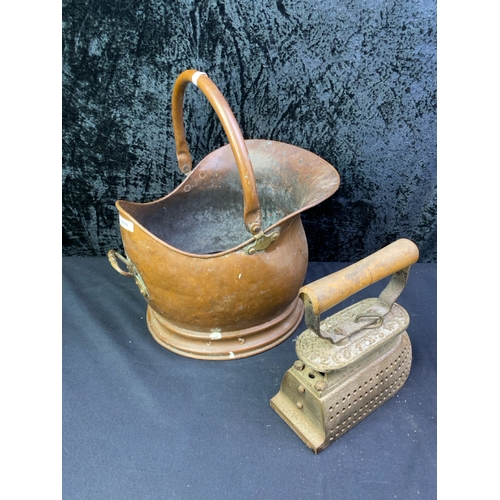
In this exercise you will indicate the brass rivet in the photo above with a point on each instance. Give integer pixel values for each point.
(320, 386)
(298, 365)
(302, 389)
(300, 406)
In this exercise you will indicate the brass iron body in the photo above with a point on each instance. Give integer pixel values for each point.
(352, 362)
(220, 260)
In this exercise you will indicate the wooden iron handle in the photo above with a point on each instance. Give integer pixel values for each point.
(251, 211)
(334, 288)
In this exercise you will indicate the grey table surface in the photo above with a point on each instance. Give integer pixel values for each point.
(140, 422)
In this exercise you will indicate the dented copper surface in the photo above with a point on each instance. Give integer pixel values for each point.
(220, 260)
(344, 373)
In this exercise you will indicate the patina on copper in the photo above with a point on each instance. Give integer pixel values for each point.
(220, 260)
(352, 362)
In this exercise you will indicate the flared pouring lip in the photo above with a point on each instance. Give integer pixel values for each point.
(328, 190)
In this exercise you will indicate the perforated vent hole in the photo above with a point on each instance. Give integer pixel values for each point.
(382, 385)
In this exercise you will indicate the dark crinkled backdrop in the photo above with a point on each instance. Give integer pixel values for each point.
(352, 81)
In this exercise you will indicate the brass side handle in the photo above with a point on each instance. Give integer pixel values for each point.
(132, 271)
(113, 255)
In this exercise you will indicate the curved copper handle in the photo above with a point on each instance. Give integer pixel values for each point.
(329, 291)
(251, 211)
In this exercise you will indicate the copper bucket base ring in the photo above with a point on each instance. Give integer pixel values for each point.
(226, 345)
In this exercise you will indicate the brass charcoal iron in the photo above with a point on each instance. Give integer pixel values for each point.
(353, 361)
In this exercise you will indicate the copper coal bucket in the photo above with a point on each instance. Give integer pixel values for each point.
(220, 260)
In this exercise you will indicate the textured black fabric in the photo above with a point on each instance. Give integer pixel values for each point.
(140, 422)
(352, 81)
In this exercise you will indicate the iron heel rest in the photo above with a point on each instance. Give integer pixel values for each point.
(352, 362)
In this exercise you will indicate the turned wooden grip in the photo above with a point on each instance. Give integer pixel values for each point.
(334, 288)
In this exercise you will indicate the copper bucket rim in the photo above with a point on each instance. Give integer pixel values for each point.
(326, 193)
